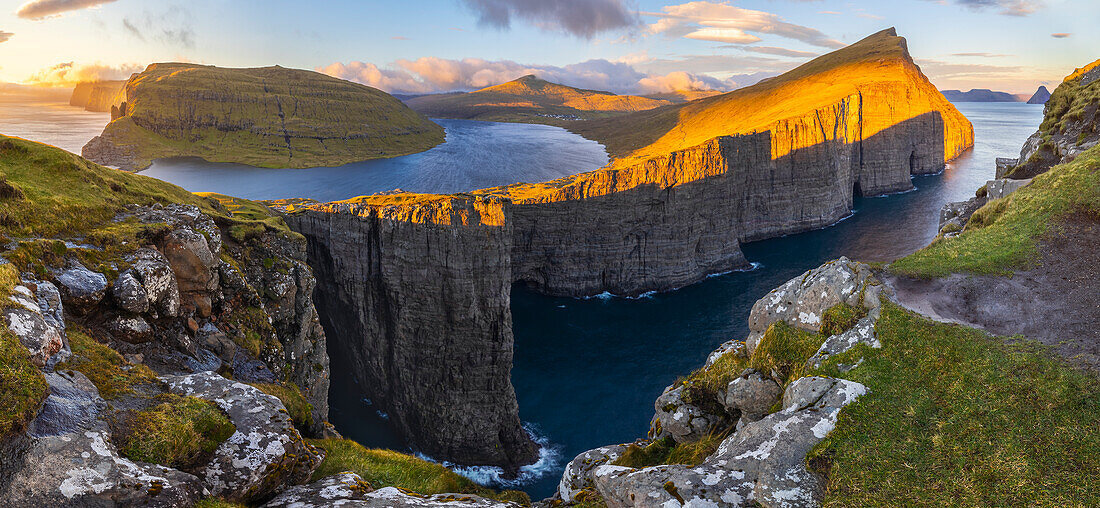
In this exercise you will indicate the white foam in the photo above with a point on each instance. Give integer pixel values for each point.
(492, 476)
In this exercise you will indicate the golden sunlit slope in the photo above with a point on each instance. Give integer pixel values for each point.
(271, 117)
(682, 96)
(530, 99)
(879, 65)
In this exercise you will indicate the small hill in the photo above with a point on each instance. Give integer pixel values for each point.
(1042, 95)
(682, 96)
(979, 95)
(530, 99)
(270, 117)
(97, 96)
(879, 63)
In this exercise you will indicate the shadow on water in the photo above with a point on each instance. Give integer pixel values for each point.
(586, 371)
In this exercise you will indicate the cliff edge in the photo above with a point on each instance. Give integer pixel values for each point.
(269, 117)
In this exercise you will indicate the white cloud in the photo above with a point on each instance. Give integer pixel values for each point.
(722, 22)
(4, 36)
(69, 73)
(39, 9)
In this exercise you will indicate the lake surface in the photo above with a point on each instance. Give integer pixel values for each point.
(587, 371)
(46, 119)
(476, 155)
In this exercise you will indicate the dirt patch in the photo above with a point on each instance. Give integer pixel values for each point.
(1057, 302)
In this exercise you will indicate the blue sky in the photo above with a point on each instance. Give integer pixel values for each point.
(625, 46)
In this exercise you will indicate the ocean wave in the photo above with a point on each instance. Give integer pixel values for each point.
(492, 476)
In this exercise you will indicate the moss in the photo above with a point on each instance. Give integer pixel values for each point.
(179, 432)
(951, 227)
(110, 373)
(301, 412)
(957, 417)
(22, 386)
(213, 502)
(840, 318)
(701, 387)
(667, 451)
(252, 330)
(588, 498)
(1003, 235)
(387, 468)
(783, 351)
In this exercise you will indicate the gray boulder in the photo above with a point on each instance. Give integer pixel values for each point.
(151, 269)
(862, 333)
(753, 394)
(264, 454)
(683, 422)
(1002, 187)
(134, 330)
(349, 490)
(71, 462)
(129, 294)
(41, 334)
(81, 287)
(730, 347)
(578, 472)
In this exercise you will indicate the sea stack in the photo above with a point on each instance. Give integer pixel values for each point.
(1042, 95)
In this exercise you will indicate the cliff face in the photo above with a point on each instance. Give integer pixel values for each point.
(97, 96)
(418, 297)
(271, 117)
(413, 286)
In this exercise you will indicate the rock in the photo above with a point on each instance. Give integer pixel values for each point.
(734, 346)
(35, 331)
(81, 287)
(1005, 165)
(129, 294)
(578, 472)
(753, 394)
(265, 454)
(210, 337)
(762, 463)
(349, 490)
(72, 462)
(251, 370)
(1002, 187)
(72, 406)
(802, 301)
(134, 330)
(1041, 96)
(683, 422)
(862, 333)
(151, 269)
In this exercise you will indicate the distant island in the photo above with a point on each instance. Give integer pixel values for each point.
(979, 95)
(534, 100)
(270, 117)
(97, 96)
(1042, 95)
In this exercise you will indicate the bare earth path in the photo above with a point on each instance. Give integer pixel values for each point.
(1057, 302)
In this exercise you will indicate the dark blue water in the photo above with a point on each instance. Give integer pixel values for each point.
(476, 155)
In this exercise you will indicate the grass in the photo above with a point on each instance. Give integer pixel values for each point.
(1003, 235)
(958, 417)
(840, 318)
(667, 451)
(301, 412)
(108, 371)
(387, 468)
(213, 502)
(272, 117)
(177, 432)
(784, 350)
(22, 386)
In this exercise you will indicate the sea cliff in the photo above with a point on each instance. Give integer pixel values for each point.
(669, 211)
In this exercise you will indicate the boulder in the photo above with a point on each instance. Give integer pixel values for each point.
(212, 338)
(41, 334)
(733, 346)
(683, 422)
(753, 394)
(134, 330)
(802, 301)
(1002, 187)
(81, 287)
(578, 472)
(71, 462)
(349, 490)
(129, 294)
(266, 452)
(151, 269)
(862, 333)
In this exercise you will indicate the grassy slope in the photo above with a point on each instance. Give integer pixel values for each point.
(960, 418)
(879, 59)
(270, 117)
(529, 99)
(1003, 235)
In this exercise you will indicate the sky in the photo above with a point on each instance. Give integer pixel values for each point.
(625, 46)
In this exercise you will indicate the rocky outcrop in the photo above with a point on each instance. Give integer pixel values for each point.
(655, 220)
(1041, 96)
(271, 117)
(349, 490)
(97, 96)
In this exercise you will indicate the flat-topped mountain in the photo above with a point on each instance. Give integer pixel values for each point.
(271, 117)
(530, 99)
(979, 95)
(1042, 95)
(97, 96)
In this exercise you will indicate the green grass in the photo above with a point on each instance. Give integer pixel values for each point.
(301, 412)
(177, 432)
(22, 386)
(1003, 235)
(960, 418)
(667, 451)
(274, 117)
(108, 371)
(784, 350)
(840, 318)
(212, 502)
(387, 468)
